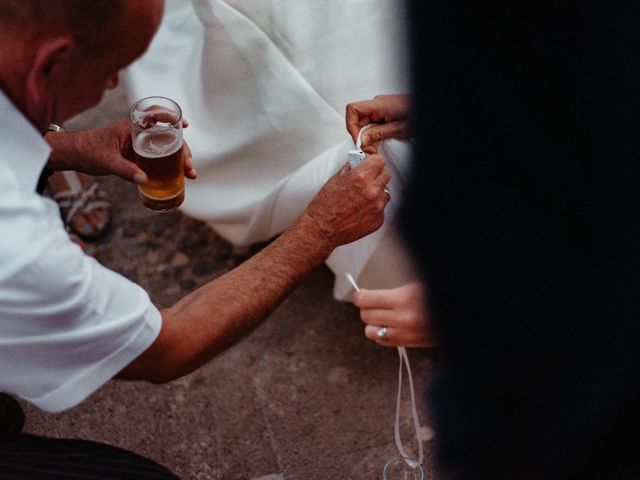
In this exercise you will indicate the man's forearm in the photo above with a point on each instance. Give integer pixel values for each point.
(214, 317)
(204, 323)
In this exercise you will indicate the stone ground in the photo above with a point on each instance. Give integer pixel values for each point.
(305, 396)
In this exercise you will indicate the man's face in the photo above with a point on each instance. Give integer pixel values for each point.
(90, 77)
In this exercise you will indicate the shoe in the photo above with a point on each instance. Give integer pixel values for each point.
(11, 415)
(84, 207)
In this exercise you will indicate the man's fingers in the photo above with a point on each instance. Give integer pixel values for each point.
(377, 133)
(189, 171)
(372, 166)
(383, 178)
(157, 113)
(129, 171)
(370, 150)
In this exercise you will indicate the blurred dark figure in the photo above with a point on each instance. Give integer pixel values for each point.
(525, 218)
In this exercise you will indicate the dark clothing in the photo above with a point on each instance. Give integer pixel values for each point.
(42, 181)
(524, 217)
(28, 457)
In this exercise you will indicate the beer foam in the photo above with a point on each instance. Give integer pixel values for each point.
(159, 143)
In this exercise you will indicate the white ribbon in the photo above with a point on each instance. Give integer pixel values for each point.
(404, 360)
(359, 139)
(357, 156)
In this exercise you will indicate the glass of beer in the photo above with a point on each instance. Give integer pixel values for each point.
(156, 136)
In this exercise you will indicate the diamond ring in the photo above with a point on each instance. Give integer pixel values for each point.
(382, 332)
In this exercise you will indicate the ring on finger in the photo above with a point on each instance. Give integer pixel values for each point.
(382, 332)
(388, 193)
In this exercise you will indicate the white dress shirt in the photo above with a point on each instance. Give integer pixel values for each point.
(67, 324)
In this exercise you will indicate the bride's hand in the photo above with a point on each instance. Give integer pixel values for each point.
(390, 113)
(402, 311)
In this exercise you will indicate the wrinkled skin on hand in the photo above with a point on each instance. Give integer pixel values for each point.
(103, 151)
(351, 204)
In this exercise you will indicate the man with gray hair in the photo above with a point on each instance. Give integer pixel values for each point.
(69, 325)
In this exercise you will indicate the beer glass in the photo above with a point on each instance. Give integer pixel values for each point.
(156, 137)
(402, 468)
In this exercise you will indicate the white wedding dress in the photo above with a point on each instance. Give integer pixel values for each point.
(264, 85)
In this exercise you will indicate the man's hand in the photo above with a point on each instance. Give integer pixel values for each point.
(103, 151)
(351, 204)
(214, 317)
(391, 112)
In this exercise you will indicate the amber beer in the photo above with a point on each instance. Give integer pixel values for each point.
(159, 155)
(156, 136)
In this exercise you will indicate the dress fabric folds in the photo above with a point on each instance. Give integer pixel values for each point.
(264, 85)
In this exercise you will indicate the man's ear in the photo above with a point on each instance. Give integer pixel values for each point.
(51, 62)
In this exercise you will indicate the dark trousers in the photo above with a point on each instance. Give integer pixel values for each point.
(26, 457)
(30, 457)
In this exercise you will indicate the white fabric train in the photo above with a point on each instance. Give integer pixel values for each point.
(264, 85)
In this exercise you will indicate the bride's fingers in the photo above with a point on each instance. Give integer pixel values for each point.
(378, 317)
(385, 336)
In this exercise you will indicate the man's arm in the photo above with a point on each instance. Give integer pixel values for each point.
(209, 320)
(103, 151)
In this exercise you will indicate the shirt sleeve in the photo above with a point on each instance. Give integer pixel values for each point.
(68, 324)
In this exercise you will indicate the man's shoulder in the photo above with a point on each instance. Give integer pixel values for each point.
(8, 179)
(26, 219)
(11, 190)
(15, 200)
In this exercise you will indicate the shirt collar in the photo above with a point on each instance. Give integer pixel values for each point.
(22, 148)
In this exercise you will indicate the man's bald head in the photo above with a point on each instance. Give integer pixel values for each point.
(51, 48)
(89, 21)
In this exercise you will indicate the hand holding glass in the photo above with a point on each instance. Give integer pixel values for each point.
(156, 136)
